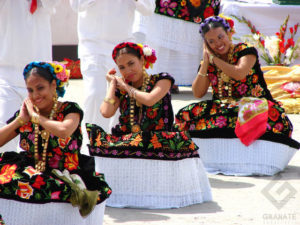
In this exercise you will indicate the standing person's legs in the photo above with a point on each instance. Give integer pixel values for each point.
(11, 99)
(94, 69)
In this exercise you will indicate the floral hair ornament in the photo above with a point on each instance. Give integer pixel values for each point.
(56, 69)
(149, 55)
(227, 23)
(146, 51)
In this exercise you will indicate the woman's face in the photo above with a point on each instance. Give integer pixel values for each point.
(40, 91)
(130, 66)
(218, 40)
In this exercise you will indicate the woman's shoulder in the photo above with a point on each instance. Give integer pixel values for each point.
(242, 49)
(161, 76)
(70, 107)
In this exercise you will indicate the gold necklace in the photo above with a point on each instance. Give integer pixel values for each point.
(40, 165)
(223, 78)
(135, 126)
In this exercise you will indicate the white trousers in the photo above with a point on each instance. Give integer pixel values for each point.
(94, 69)
(11, 99)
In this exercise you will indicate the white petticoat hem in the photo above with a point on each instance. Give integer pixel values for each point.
(23, 213)
(154, 184)
(231, 157)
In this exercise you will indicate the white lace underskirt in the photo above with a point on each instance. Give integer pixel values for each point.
(231, 157)
(22, 213)
(154, 184)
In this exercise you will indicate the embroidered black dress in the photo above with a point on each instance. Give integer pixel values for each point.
(211, 119)
(20, 181)
(155, 141)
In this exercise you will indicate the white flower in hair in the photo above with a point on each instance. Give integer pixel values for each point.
(147, 51)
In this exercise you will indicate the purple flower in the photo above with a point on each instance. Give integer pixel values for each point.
(166, 120)
(167, 5)
(138, 153)
(54, 161)
(31, 137)
(73, 145)
(114, 152)
(160, 154)
(192, 127)
(221, 121)
(242, 89)
(166, 107)
(126, 152)
(149, 154)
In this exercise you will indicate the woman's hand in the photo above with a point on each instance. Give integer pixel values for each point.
(24, 115)
(30, 108)
(111, 74)
(121, 84)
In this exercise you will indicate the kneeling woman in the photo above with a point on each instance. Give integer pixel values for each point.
(50, 169)
(242, 109)
(146, 164)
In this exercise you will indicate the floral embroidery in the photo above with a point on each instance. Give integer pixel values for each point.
(7, 173)
(25, 190)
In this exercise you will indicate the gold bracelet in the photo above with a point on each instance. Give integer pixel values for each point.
(109, 100)
(21, 122)
(201, 74)
(35, 118)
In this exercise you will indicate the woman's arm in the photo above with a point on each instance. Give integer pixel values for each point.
(8, 132)
(61, 129)
(201, 83)
(238, 71)
(160, 89)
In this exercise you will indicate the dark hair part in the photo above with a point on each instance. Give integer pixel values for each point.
(42, 72)
(128, 50)
(211, 25)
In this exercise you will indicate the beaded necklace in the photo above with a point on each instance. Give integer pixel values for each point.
(135, 126)
(40, 165)
(223, 78)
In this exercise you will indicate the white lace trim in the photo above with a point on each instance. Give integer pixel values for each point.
(231, 157)
(23, 213)
(155, 184)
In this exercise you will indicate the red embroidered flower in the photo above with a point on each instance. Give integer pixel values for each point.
(24, 190)
(151, 113)
(273, 114)
(39, 181)
(209, 11)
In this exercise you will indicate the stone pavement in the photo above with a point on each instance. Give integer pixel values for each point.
(236, 200)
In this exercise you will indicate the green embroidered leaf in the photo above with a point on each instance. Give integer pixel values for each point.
(180, 145)
(172, 145)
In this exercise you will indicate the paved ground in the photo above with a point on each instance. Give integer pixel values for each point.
(236, 200)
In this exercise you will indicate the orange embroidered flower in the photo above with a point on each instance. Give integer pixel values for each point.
(255, 79)
(136, 140)
(151, 113)
(183, 3)
(123, 128)
(160, 124)
(155, 142)
(7, 173)
(201, 125)
(192, 146)
(71, 161)
(24, 190)
(256, 91)
(26, 128)
(197, 110)
(63, 142)
(186, 116)
(98, 141)
(195, 3)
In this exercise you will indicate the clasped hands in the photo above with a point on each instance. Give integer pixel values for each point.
(114, 80)
(27, 112)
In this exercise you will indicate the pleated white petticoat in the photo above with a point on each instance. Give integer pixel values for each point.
(231, 157)
(21, 213)
(155, 184)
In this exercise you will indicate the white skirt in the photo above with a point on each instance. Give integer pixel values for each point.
(154, 184)
(231, 157)
(22, 213)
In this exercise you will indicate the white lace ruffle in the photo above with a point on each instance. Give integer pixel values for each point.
(22, 213)
(154, 184)
(231, 157)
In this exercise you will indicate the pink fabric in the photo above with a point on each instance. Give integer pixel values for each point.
(252, 119)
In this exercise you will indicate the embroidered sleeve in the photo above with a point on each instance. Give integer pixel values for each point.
(72, 107)
(244, 49)
(162, 76)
